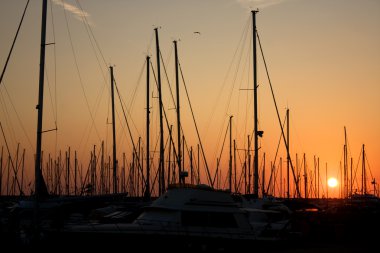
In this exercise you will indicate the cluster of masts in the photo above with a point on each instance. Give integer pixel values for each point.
(64, 175)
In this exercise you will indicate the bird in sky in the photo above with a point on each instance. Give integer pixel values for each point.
(198, 33)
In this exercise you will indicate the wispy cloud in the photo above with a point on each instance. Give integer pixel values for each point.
(77, 12)
(258, 4)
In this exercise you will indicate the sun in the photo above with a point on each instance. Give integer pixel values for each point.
(332, 182)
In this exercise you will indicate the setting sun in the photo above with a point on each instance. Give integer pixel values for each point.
(332, 182)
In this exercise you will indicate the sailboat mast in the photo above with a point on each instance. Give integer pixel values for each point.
(230, 159)
(39, 107)
(364, 175)
(179, 153)
(256, 158)
(345, 167)
(147, 187)
(113, 134)
(288, 157)
(161, 178)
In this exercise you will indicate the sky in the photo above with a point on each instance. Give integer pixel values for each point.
(323, 60)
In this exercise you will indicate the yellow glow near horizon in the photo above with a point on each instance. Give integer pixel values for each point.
(332, 182)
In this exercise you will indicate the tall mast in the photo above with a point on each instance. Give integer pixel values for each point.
(256, 158)
(147, 187)
(327, 184)
(345, 168)
(179, 153)
(364, 176)
(230, 160)
(288, 157)
(305, 174)
(37, 168)
(113, 134)
(263, 178)
(235, 166)
(75, 173)
(319, 177)
(161, 178)
(39, 183)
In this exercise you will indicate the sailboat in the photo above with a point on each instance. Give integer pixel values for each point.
(26, 212)
(183, 218)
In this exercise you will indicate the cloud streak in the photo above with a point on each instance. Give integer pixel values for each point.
(259, 4)
(78, 13)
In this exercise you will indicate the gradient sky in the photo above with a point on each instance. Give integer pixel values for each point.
(323, 59)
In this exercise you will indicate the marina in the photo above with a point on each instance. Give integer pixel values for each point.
(151, 187)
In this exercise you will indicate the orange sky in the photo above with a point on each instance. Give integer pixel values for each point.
(323, 58)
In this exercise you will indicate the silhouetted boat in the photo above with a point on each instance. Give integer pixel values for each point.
(185, 217)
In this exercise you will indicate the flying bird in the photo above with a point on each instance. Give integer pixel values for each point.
(198, 33)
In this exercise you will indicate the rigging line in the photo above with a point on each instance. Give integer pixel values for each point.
(239, 56)
(91, 35)
(132, 101)
(55, 81)
(245, 30)
(150, 43)
(130, 134)
(88, 28)
(107, 124)
(152, 160)
(122, 129)
(128, 111)
(225, 182)
(14, 41)
(88, 125)
(170, 54)
(275, 157)
(241, 172)
(366, 159)
(261, 172)
(131, 104)
(196, 128)
(86, 177)
(276, 176)
(154, 181)
(188, 152)
(248, 103)
(234, 81)
(248, 98)
(220, 155)
(10, 158)
(5, 67)
(16, 167)
(356, 171)
(297, 137)
(18, 118)
(92, 38)
(166, 119)
(220, 143)
(220, 134)
(78, 72)
(167, 79)
(51, 99)
(54, 108)
(278, 115)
